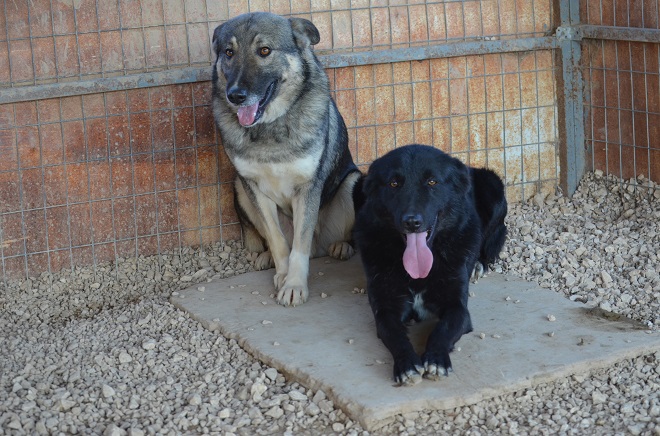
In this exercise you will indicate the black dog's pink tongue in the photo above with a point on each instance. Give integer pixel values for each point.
(417, 259)
(247, 114)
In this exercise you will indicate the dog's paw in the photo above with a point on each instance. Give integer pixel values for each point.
(408, 371)
(436, 365)
(264, 261)
(478, 272)
(341, 250)
(292, 295)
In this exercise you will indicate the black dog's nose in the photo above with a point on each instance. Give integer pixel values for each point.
(412, 222)
(237, 95)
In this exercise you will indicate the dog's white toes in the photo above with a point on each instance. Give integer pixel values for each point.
(264, 261)
(341, 250)
(292, 296)
(410, 378)
(434, 372)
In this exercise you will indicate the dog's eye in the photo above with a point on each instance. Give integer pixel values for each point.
(394, 184)
(264, 51)
(229, 52)
(432, 182)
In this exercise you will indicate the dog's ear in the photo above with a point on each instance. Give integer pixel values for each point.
(216, 39)
(460, 176)
(305, 32)
(368, 185)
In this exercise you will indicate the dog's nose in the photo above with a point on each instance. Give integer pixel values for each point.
(412, 222)
(237, 95)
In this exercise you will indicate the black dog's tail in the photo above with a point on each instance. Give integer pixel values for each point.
(492, 208)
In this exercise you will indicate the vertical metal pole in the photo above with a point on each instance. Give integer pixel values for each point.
(569, 43)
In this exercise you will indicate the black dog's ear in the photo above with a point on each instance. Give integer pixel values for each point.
(460, 176)
(369, 185)
(305, 32)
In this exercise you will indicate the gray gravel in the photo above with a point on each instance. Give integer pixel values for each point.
(101, 351)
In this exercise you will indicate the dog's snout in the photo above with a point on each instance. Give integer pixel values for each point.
(237, 95)
(412, 222)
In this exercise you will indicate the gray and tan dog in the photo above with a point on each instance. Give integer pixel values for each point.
(288, 142)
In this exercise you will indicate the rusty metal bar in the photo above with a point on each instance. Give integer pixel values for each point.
(335, 60)
(633, 34)
(94, 86)
(468, 48)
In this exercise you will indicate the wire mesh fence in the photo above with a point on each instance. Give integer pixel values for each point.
(623, 99)
(88, 179)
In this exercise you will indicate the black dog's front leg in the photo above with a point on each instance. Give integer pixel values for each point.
(408, 368)
(454, 322)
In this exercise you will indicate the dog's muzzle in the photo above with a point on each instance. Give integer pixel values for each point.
(249, 114)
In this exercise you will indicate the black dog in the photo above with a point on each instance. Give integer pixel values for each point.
(425, 223)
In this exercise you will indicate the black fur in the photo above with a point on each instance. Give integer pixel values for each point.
(492, 208)
(440, 192)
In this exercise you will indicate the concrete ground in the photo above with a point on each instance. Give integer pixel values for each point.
(523, 335)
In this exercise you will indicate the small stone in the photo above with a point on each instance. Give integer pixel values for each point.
(296, 395)
(324, 295)
(65, 405)
(552, 318)
(134, 402)
(482, 335)
(149, 344)
(271, 373)
(224, 413)
(338, 427)
(107, 391)
(266, 322)
(201, 288)
(257, 390)
(113, 430)
(598, 397)
(275, 412)
(312, 409)
(319, 396)
(195, 400)
(124, 357)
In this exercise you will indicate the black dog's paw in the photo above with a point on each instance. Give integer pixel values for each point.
(408, 371)
(436, 364)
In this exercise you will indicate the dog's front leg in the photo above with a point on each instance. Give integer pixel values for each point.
(305, 207)
(454, 321)
(269, 227)
(408, 367)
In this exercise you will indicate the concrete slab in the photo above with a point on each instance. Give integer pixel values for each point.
(524, 335)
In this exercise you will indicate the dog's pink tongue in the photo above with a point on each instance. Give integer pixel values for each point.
(417, 259)
(247, 114)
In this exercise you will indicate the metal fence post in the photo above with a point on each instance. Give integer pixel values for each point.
(569, 38)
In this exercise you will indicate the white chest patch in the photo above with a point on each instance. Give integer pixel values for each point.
(279, 181)
(418, 307)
